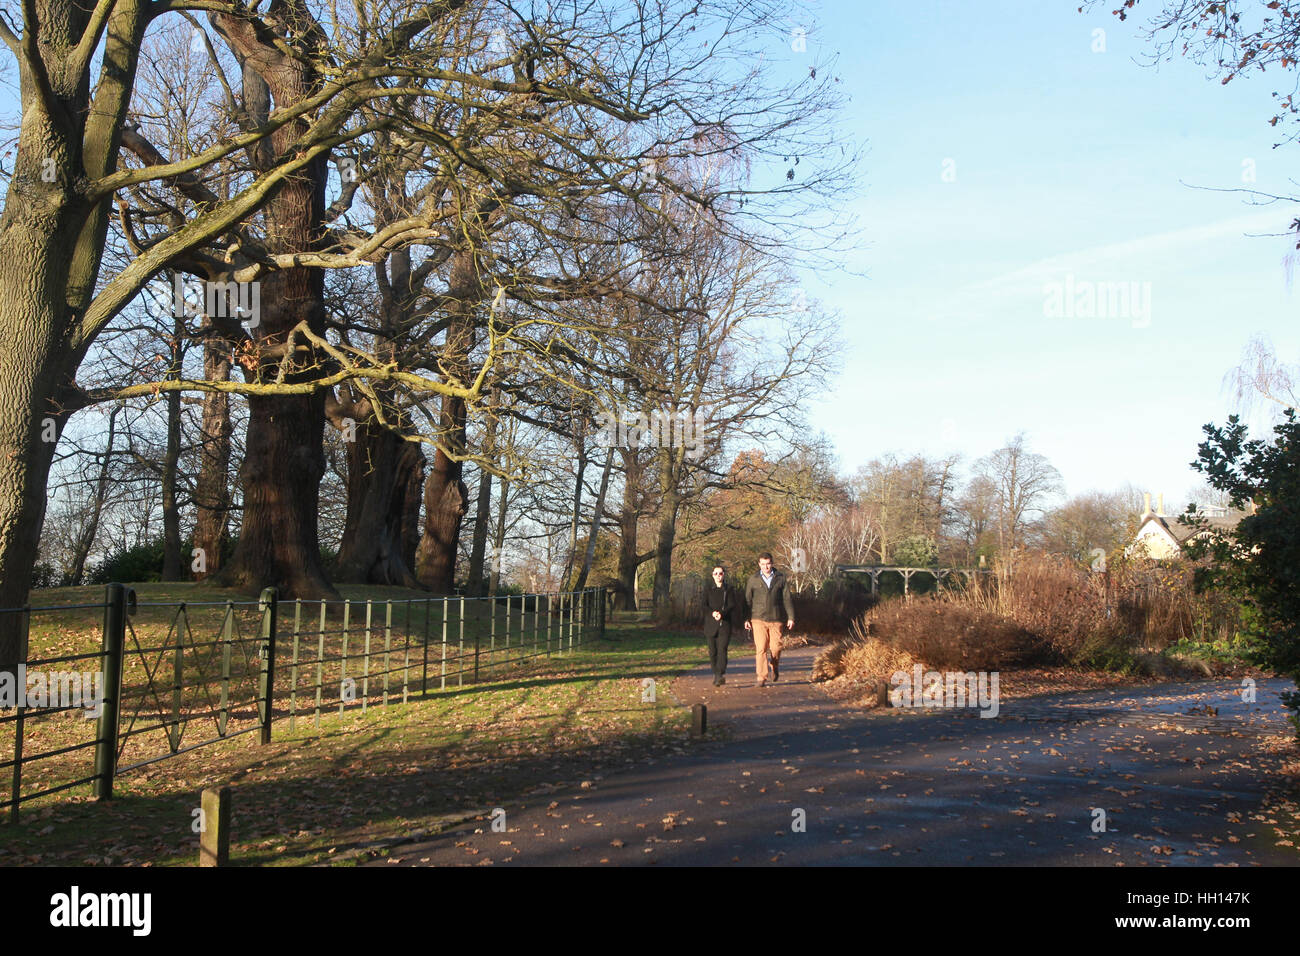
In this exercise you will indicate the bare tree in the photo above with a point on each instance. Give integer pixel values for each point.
(1262, 375)
(1022, 483)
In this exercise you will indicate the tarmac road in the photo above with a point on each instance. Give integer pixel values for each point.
(799, 778)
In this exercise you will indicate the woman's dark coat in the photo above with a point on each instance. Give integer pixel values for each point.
(721, 599)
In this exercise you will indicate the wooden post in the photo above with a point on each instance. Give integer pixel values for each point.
(214, 835)
(699, 720)
(882, 693)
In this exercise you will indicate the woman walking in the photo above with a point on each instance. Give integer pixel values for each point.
(719, 603)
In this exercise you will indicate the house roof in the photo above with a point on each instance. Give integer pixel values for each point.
(1181, 532)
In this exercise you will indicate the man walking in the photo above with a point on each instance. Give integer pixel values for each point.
(765, 595)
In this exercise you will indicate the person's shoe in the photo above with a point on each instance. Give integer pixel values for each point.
(762, 683)
(721, 681)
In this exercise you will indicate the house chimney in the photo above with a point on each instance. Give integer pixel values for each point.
(1160, 505)
(1146, 506)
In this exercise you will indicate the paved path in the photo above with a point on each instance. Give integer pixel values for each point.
(798, 778)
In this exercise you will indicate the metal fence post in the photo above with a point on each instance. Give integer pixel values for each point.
(174, 731)
(406, 658)
(388, 647)
(424, 677)
(478, 631)
(443, 685)
(293, 673)
(343, 658)
(320, 660)
(226, 623)
(106, 733)
(365, 662)
(267, 604)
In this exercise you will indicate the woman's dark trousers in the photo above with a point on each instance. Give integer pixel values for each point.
(718, 651)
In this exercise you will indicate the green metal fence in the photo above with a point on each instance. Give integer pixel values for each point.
(177, 677)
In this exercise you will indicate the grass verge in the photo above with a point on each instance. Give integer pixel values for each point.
(393, 770)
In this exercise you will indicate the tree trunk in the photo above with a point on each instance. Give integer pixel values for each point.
(212, 486)
(51, 249)
(446, 499)
(86, 540)
(284, 459)
(445, 502)
(36, 373)
(499, 537)
(482, 511)
(664, 560)
(669, 483)
(580, 463)
(379, 465)
(171, 570)
(283, 464)
(411, 478)
(629, 517)
(478, 546)
(597, 513)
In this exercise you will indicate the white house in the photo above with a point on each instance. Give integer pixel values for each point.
(1162, 536)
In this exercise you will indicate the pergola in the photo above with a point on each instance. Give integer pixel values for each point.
(876, 570)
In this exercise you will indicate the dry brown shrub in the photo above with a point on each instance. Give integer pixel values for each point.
(865, 661)
(1062, 604)
(1048, 610)
(946, 634)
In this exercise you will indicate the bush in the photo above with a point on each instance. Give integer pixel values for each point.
(1258, 561)
(917, 551)
(832, 610)
(46, 576)
(1063, 605)
(947, 635)
(144, 562)
(867, 661)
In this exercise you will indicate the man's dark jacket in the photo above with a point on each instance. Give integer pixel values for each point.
(765, 602)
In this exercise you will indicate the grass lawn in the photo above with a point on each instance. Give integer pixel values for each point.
(535, 724)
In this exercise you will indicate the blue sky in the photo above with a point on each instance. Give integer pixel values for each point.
(1065, 162)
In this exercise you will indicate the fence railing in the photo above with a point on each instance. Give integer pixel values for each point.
(171, 678)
